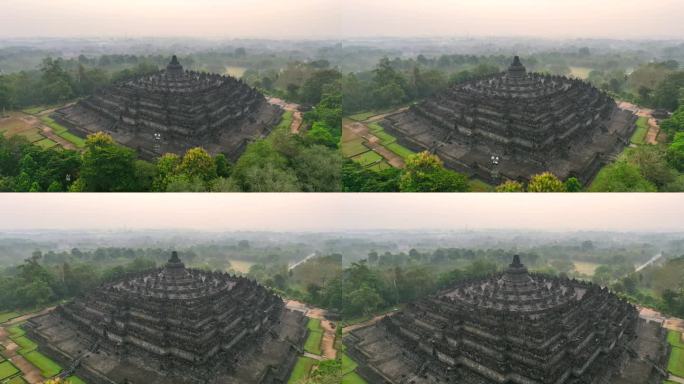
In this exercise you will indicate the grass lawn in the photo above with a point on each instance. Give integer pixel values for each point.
(353, 147)
(676, 363)
(26, 344)
(16, 331)
(45, 143)
(477, 185)
(56, 127)
(367, 158)
(236, 72)
(285, 122)
(400, 150)
(7, 369)
(301, 370)
(48, 368)
(353, 378)
(6, 316)
(675, 339)
(32, 135)
(313, 341)
(16, 380)
(75, 380)
(585, 267)
(70, 137)
(640, 133)
(240, 265)
(363, 116)
(380, 166)
(580, 72)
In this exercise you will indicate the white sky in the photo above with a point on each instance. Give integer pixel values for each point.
(321, 212)
(342, 18)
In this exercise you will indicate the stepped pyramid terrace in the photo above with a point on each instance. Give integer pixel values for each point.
(513, 327)
(174, 325)
(174, 110)
(516, 124)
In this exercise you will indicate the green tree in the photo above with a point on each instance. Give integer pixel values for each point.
(621, 177)
(107, 167)
(510, 186)
(545, 182)
(424, 172)
(572, 185)
(223, 167)
(675, 152)
(197, 163)
(167, 168)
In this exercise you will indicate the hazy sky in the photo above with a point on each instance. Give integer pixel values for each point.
(342, 18)
(310, 212)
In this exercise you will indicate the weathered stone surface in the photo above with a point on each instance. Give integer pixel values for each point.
(531, 122)
(175, 325)
(512, 327)
(174, 110)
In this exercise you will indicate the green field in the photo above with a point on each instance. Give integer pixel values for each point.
(585, 267)
(236, 72)
(32, 135)
(26, 344)
(6, 316)
(400, 150)
(353, 378)
(48, 368)
(70, 137)
(676, 363)
(640, 133)
(56, 127)
(15, 331)
(45, 143)
(313, 341)
(301, 370)
(675, 339)
(16, 380)
(7, 370)
(240, 265)
(380, 166)
(367, 158)
(580, 72)
(75, 380)
(354, 147)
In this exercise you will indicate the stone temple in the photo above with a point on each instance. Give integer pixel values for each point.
(513, 327)
(516, 124)
(174, 110)
(174, 325)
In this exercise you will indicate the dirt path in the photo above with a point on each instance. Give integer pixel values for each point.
(653, 127)
(328, 340)
(383, 115)
(366, 323)
(355, 128)
(27, 316)
(294, 108)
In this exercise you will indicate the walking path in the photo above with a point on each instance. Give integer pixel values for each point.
(653, 127)
(294, 108)
(328, 340)
(366, 323)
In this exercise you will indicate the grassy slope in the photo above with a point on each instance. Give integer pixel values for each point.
(7, 369)
(6, 316)
(676, 362)
(640, 133)
(313, 342)
(301, 370)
